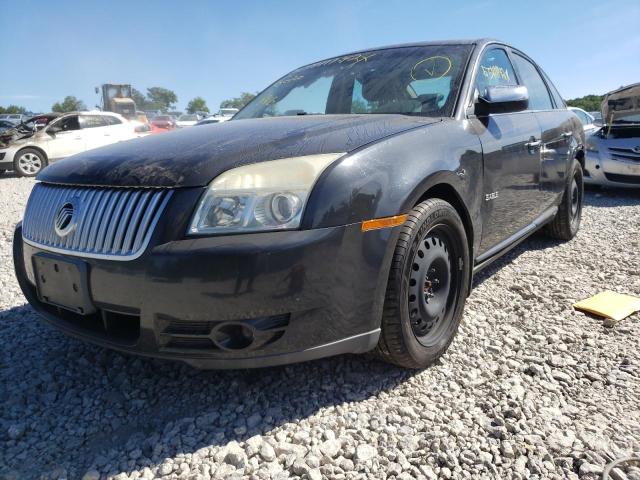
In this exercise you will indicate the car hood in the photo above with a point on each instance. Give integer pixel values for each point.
(15, 138)
(623, 102)
(195, 156)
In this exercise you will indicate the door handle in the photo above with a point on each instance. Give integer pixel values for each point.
(567, 135)
(107, 134)
(77, 138)
(533, 144)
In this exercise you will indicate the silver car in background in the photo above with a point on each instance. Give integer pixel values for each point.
(14, 118)
(613, 151)
(586, 119)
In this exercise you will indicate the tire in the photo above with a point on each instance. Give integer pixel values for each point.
(566, 223)
(427, 286)
(28, 162)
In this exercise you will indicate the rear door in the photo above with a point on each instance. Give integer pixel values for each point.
(118, 130)
(556, 123)
(511, 151)
(64, 137)
(95, 131)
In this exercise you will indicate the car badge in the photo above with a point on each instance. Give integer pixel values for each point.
(636, 149)
(65, 220)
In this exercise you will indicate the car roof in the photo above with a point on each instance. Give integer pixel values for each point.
(477, 41)
(87, 112)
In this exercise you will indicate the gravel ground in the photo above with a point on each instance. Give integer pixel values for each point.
(529, 388)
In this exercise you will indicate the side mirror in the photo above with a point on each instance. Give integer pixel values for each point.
(502, 99)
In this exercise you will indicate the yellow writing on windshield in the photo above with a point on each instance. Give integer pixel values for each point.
(431, 67)
(294, 78)
(349, 59)
(268, 100)
(495, 72)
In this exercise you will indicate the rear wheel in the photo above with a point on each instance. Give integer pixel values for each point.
(566, 223)
(28, 162)
(427, 288)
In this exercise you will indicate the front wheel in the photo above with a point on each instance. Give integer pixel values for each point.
(427, 288)
(29, 162)
(566, 223)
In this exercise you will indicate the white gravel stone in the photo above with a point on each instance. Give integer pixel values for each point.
(267, 452)
(364, 453)
(528, 389)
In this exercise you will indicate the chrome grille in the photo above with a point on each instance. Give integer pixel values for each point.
(620, 153)
(113, 223)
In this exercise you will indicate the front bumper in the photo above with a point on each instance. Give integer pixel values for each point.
(6, 158)
(603, 170)
(233, 301)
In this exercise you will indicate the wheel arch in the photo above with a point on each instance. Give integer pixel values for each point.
(33, 147)
(447, 192)
(580, 156)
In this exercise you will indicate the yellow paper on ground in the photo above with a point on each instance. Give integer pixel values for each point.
(610, 304)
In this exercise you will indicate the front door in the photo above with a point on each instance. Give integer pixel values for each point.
(511, 152)
(65, 138)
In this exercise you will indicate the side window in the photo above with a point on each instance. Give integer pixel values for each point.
(109, 120)
(67, 124)
(91, 121)
(539, 98)
(494, 69)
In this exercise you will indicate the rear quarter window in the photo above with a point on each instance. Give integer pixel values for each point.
(109, 120)
(557, 98)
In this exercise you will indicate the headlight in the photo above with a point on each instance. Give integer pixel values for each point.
(259, 197)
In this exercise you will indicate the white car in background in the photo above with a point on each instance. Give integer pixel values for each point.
(188, 120)
(586, 119)
(32, 145)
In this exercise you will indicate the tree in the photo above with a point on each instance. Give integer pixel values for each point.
(590, 103)
(238, 102)
(139, 98)
(69, 104)
(162, 98)
(13, 109)
(197, 105)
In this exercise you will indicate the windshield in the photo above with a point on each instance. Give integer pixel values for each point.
(162, 118)
(188, 117)
(406, 80)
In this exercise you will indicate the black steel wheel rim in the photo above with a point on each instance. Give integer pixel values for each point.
(433, 284)
(575, 198)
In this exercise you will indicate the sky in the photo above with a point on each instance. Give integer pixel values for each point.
(218, 49)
